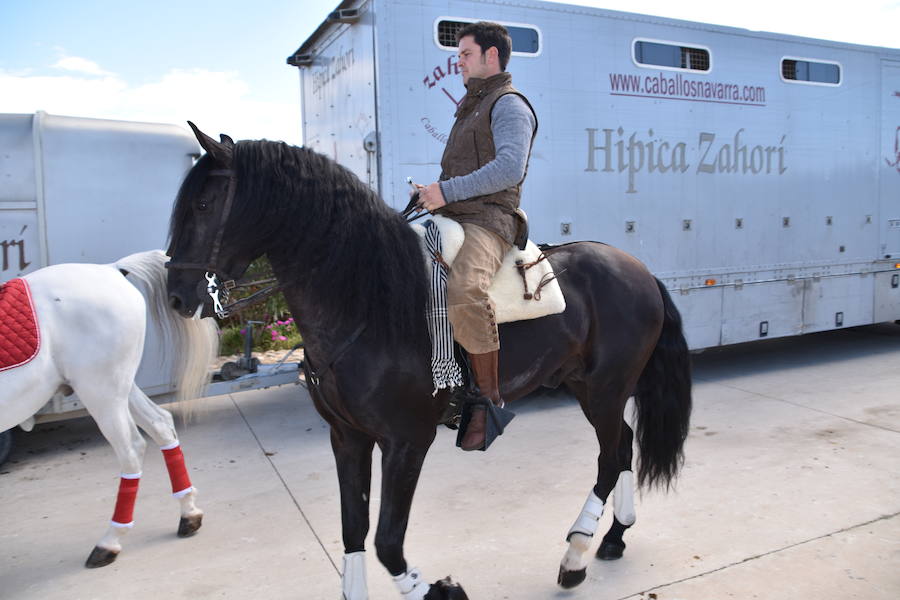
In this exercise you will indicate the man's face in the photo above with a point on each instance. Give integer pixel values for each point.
(472, 62)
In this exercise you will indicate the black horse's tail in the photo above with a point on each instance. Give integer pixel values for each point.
(663, 401)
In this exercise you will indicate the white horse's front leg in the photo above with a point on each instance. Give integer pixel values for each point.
(159, 425)
(183, 490)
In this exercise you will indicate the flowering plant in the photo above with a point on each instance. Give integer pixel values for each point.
(280, 330)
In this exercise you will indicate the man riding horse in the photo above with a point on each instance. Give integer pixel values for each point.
(483, 168)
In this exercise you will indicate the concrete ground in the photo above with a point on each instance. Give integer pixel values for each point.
(791, 489)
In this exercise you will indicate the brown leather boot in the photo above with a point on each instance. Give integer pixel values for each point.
(485, 368)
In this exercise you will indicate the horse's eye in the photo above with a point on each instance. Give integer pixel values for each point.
(202, 205)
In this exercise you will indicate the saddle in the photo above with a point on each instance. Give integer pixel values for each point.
(524, 288)
(20, 338)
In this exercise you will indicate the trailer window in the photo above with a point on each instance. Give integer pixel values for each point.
(525, 40)
(671, 55)
(808, 71)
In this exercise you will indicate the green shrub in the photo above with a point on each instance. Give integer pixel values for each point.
(231, 341)
(278, 331)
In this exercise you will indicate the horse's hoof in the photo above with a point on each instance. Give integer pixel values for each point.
(569, 579)
(445, 589)
(188, 526)
(100, 557)
(610, 551)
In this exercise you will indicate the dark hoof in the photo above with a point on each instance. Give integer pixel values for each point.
(610, 551)
(100, 557)
(445, 589)
(188, 526)
(569, 579)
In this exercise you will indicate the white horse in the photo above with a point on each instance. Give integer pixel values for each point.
(92, 321)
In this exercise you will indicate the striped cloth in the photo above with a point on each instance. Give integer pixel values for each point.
(444, 369)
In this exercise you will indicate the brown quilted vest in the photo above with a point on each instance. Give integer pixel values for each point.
(470, 147)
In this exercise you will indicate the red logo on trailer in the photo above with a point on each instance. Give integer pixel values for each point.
(433, 80)
(438, 73)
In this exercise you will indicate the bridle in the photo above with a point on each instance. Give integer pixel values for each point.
(219, 290)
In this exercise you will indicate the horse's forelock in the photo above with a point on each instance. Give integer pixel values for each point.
(191, 186)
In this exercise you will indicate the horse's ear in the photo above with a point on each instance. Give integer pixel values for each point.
(220, 151)
(226, 139)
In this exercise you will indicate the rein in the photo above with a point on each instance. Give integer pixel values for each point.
(411, 207)
(313, 376)
(254, 298)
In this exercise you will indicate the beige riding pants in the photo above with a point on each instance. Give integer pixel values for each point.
(469, 307)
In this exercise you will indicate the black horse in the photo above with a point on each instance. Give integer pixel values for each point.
(352, 272)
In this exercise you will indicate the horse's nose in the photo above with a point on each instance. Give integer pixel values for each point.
(175, 301)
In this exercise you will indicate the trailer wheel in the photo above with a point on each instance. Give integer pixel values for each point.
(6, 443)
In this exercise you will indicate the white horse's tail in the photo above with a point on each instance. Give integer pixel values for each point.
(193, 343)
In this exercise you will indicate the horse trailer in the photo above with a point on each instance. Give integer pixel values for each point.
(79, 190)
(756, 174)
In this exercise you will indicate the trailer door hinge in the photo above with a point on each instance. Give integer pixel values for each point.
(370, 142)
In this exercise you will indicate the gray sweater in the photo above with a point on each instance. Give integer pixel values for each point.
(512, 124)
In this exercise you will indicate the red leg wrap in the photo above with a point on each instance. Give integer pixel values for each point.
(177, 472)
(124, 513)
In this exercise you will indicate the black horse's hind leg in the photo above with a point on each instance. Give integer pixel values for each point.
(603, 405)
(353, 457)
(400, 468)
(612, 545)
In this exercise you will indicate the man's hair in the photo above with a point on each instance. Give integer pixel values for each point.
(486, 35)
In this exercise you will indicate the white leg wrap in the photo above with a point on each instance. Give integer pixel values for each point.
(121, 525)
(411, 585)
(184, 492)
(586, 523)
(623, 498)
(353, 581)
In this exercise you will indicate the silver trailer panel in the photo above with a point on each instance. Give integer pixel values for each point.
(92, 191)
(769, 206)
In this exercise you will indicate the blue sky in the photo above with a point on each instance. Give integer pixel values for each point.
(222, 64)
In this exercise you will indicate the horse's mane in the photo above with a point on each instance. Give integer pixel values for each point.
(352, 252)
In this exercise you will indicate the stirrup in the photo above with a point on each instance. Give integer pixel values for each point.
(452, 415)
(495, 423)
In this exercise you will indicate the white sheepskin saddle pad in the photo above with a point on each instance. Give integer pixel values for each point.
(507, 290)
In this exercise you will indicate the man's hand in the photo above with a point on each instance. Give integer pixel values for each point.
(430, 197)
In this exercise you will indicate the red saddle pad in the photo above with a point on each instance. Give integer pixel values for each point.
(20, 338)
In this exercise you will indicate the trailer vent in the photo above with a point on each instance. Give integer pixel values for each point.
(807, 71)
(525, 40)
(672, 55)
(447, 33)
(344, 15)
(301, 60)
